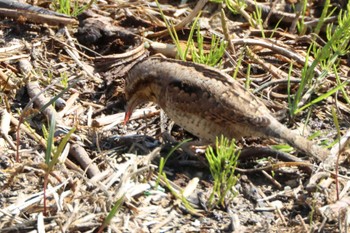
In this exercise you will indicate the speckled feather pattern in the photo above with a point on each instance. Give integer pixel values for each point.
(206, 102)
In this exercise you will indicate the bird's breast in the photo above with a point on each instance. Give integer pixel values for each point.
(208, 129)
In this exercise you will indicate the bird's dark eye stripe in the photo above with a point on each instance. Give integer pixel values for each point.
(185, 87)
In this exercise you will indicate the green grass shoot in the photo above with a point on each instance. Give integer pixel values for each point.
(164, 160)
(327, 57)
(222, 166)
(118, 205)
(70, 8)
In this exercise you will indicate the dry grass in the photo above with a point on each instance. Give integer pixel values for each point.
(106, 160)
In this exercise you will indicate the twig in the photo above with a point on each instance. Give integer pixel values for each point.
(69, 104)
(277, 73)
(186, 20)
(75, 56)
(273, 9)
(37, 18)
(5, 127)
(11, 4)
(84, 160)
(36, 93)
(274, 47)
(12, 48)
(284, 16)
(253, 152)
(110, 61)
(274, 82)
(303, 165)
(6, 82)
(271, 179)
(339, 147)
(113, 120)
(225, 30)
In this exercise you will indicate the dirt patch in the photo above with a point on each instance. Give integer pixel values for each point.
(73, 70)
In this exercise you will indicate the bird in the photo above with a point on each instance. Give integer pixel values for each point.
(207, 103)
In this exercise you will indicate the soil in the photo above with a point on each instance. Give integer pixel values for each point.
(69, 162)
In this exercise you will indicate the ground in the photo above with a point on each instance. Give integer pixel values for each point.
(67, 157)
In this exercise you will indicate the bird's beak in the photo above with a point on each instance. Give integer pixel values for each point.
(130, 106)
(127, 116)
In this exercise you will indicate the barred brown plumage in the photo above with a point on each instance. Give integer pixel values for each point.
(207, 102)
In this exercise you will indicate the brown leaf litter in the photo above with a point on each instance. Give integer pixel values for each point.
(84, 67)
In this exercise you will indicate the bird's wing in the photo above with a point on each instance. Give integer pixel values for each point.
(215, 102)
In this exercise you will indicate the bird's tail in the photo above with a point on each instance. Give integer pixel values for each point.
(299, 142)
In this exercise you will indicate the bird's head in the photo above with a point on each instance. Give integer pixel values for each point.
(140, 87)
